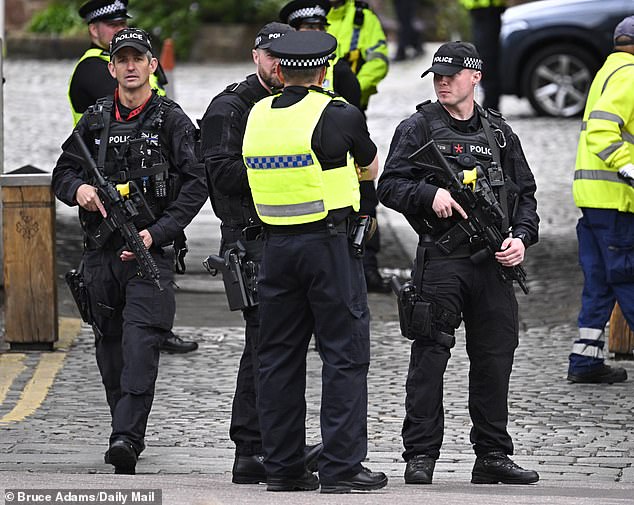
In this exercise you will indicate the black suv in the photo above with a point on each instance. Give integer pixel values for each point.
(551, 50)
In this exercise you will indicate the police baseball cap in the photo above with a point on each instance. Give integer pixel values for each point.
(270, 32)
(298, 12)
(307, 49)
(452, 57)
(104, 10)
(625, 29)
(130, 37)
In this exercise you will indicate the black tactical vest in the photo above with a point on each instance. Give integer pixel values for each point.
(134, 153)
(237, 211)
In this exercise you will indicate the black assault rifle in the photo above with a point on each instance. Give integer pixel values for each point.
(471, 189)
(120, 214)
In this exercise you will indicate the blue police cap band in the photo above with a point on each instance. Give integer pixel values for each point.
(308, 12)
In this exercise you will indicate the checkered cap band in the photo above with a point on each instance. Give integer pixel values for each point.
(304, 63)
(459, 61)
(288, 161)
(115, 6)
(307, 12)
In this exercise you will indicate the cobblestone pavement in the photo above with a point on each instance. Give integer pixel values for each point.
(579, 437)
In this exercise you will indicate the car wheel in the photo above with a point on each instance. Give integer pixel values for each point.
(556, 80)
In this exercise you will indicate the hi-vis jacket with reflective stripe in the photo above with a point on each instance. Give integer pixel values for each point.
(606, 142)
(287, 182)
(104, 55)
(357, 28)
(481, 4)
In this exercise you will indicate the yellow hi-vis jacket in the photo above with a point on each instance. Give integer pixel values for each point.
(606, 143)
(363, 45)
(482, 4)
(102, 54)
(286, 179)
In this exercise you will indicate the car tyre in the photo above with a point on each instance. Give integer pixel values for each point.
(556, 80)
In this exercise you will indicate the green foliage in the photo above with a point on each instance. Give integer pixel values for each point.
(60, 17)
(177, 19)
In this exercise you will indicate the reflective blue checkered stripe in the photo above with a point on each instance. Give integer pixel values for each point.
(284, 161)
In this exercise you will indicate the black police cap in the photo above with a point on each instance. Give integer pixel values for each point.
(305, 11)
(307, 49)
(131, 37)
(104, 10)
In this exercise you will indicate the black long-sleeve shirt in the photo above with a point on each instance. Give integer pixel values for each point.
(177, 138)
(404, 187)
(91, 80)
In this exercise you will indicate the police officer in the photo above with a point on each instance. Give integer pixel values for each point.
(452, 287)
(362, 43)
(299, 149)
(91, 80)
(222, 128)
(141, 137)
(311, 15)
(486, 23)
(602, 188)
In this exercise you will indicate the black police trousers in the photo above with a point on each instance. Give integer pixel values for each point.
(490, 313)
(244, 429)
(131, 319)
(312, 283)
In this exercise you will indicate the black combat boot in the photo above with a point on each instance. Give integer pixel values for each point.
(496, 467)
(122, 455)
(420, 470)
(248, 469)
(603, 374)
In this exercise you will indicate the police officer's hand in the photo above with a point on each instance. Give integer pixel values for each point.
(88, 198)
(444, 204)
(512, 252)
(147, 241)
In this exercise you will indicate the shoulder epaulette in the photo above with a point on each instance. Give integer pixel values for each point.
(422, 104)
(360, 4)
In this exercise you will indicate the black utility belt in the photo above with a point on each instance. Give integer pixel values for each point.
(321, 226)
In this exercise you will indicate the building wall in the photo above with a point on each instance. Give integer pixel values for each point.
(18, 12)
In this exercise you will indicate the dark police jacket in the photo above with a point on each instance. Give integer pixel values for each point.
(169, 140)
(410, 189)
(222, 131)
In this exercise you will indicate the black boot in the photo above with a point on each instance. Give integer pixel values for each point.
(497, 467)
(365, 480)
(601, 375)
(420, 470)
(248, 469)
(177, 345)
(122, 455)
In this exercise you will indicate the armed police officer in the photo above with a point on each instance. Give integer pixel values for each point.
(222, 129)
(300, 149)
(145, 144)
(312, 15)
(361, 42)
(91, 80)
(449, 286)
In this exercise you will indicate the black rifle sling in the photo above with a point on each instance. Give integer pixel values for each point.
(106, 109)
(495, 152)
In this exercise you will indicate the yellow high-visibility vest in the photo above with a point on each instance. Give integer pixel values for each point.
(286, 179)
(606, 142)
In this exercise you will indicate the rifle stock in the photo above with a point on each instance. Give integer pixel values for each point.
(120, 214)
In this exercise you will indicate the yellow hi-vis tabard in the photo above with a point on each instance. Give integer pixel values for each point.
(287, 182)
(606, 142)
(102, 54)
